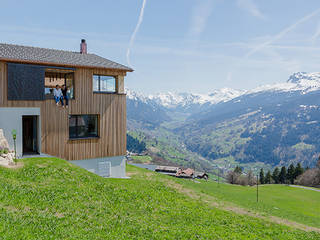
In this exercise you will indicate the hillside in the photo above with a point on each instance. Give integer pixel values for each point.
(294, 204)
(265, 127)
(52, 199)
(284, 130)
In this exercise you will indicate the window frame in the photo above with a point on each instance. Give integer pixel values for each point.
(84, 138)
(65, 72)
(99, 84)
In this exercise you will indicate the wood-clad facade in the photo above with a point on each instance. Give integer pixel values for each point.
(110, 108)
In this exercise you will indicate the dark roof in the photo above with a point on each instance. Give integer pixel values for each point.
(9, 52)
(166, 169)
(200, 174)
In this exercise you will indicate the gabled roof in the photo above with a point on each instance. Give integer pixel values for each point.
(17, 53)
(188, 171)
(166, 169)
(200, 174)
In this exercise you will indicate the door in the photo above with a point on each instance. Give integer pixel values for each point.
(30, 134)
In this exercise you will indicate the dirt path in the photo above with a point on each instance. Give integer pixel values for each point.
(307, 188)
(212, 201)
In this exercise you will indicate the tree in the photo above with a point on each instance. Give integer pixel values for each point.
(232, 177)
(317, 178)
(243, 180)
(238, 170)
(262, 176)
(268, 178)
(134, 145)
(310, 178)
(250, 177)
(298, 171)
(283, 175)
(275, 175)
(291, 173)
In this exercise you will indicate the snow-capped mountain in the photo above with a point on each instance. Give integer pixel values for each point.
(174, 99)
(300, 81)
(143, 110)
(134, 95)
(186, 100)
(276, 124)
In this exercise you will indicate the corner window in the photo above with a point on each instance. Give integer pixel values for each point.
(83, 126)
(59, 77)
(104, 84)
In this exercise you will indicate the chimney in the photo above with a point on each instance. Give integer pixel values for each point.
(83, 46)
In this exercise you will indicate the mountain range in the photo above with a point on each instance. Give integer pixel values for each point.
(267, 126)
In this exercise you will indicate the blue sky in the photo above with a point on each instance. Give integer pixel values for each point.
(181, 45)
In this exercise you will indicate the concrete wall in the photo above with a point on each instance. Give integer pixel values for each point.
(114, 167)
(11, 118)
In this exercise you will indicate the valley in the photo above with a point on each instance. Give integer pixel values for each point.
(260, 128)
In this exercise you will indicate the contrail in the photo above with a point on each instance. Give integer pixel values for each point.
(275, 38)
(283, 33)
(133, 36)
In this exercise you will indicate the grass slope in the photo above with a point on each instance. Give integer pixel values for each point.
(296, 204)
(52, 199)
(141, 159)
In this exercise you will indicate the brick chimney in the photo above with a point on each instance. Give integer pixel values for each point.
(83, 46)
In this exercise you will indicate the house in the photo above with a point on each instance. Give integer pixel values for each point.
(91, 132)
(201, 175)
(168, 170)
(181, 173)
(187, 173)
(190, 173)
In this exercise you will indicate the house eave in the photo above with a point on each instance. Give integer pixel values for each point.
(63, 65)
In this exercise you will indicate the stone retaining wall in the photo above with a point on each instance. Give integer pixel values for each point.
(6, 156)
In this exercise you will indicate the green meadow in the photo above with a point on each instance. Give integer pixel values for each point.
(141, 159)
(295, 204)
(53, 199)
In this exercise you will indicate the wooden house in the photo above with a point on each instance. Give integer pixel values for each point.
(168, 170)
(186, 173)
(201, 175)
(91, 132)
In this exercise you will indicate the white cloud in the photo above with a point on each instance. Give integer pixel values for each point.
(200, 15)
(251, 7)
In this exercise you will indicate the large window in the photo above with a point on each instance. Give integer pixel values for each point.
(59, 77)
(104, 84)
(25, 82)
(83, 126)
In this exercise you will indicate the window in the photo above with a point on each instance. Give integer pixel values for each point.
(25, 82)
(59, 77)
(83, 126)
(106, 84)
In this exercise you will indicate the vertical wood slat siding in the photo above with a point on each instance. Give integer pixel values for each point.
(55, 122)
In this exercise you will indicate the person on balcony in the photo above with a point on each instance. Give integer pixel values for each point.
(65, 95)
(58, 96)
